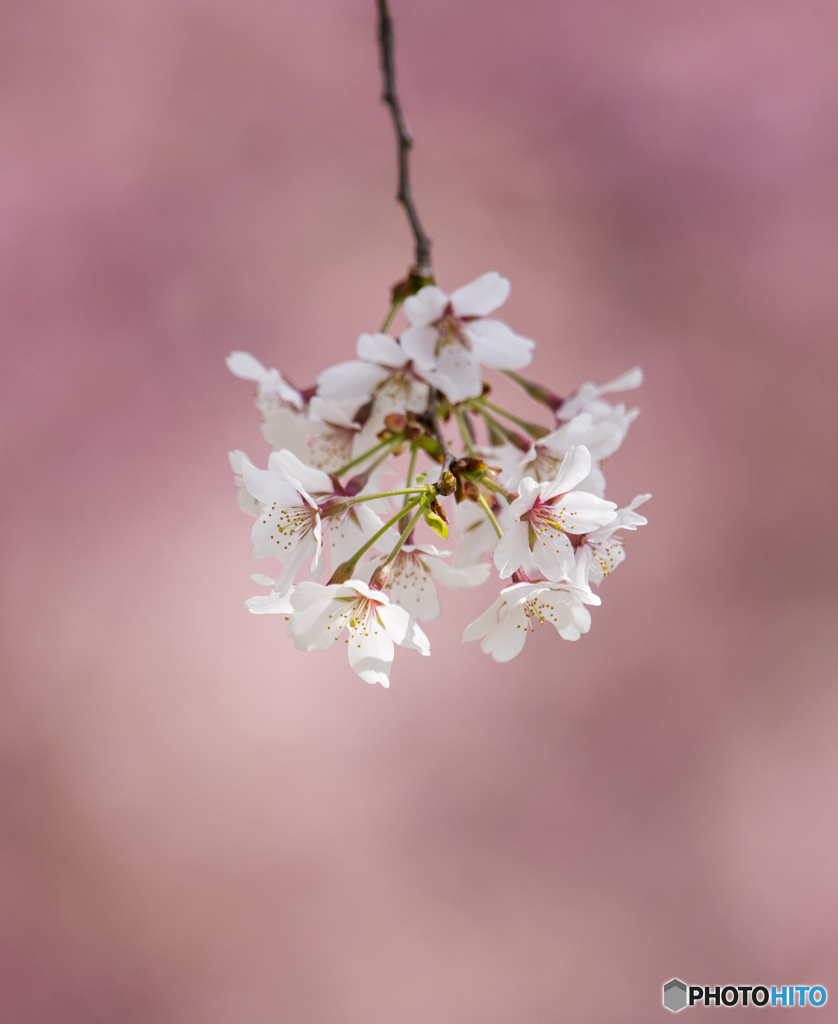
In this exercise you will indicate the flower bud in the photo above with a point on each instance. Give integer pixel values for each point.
(447, 483)
(378, 580)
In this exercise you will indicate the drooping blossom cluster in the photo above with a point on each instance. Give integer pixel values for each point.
(362, 459)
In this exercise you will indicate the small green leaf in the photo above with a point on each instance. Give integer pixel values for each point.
(436, 524)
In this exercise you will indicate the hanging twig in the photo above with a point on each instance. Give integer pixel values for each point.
(422, 268)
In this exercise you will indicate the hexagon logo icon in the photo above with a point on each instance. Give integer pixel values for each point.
(675, 995)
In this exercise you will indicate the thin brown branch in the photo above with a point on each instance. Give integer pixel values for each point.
(422, 262)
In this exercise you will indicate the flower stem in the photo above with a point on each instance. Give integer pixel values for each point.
(382, 572)
(362, 458)
(493, 486)
(338, 505)
(536, 391)
(462, 422)
(485, 506)
(411, 469)
(533, 429)
(345, 569)
(522, 443)
(391, 316)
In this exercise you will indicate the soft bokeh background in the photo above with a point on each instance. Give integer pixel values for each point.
(201, 826)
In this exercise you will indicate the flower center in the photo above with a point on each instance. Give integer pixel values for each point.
(450, 332)
(290, 524)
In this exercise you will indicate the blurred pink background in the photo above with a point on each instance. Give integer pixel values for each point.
(202, 826)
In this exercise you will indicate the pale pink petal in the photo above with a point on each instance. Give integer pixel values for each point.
(270, 604)
(497, 345)
(381, 348)
(419, 344)
(507, 639)
(353, 381)
(268, 487)
(481, 296)
(580, 512)
(513, 548)
(286, 464)
(246, 366)
(426, 306)
(371, 653)
(403, 629)
(575, 466)
(553, 554)
(625, 382)
(454, 579)
(459, 371)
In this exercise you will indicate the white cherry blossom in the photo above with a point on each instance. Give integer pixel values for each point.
(246, 501)
(322, 613)
(272, 388)
(545, 513)
(273, 603)
(289, 528)
(609, 423)
(383, 375)
(412, 585)
(503, 627)
(450, 336)
(606, 549)
(343, 533)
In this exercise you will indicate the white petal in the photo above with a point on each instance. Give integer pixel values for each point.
(285, 428)
(419, 344)
(330, 412)
(412, 589)
(454, 579)
(594, 482)
(362, 588)
(576, 465)
(461, 371)
(268, 487)
(607, 555)
(246, 366)
(512, 549)
(426, 306)
(640, 499)
(528, 491)
(553, 554)
(402, 628)
(316, 626)
(481, 296)
(345, 536)
(351, 381)
(382, 349)
(580, 512)
(260, 577)
(507, 639)
(625, 382)
(270, 604)
(313, 481)
(497, 345)
(371, 653)
(236, 458)
(306, 548)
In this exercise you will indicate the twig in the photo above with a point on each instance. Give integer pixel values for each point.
(422, 266)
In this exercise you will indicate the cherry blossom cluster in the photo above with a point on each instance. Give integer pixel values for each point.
(525, 499)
